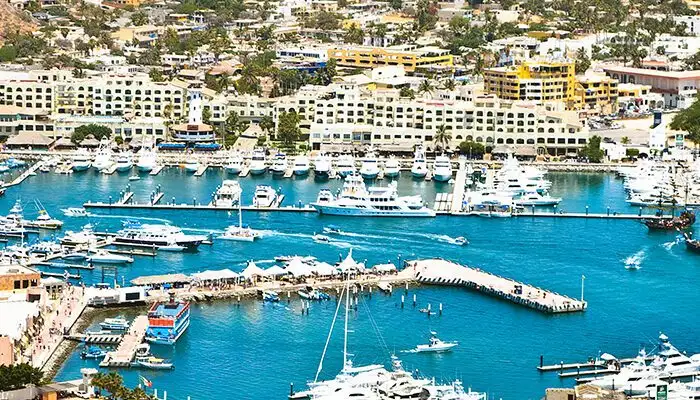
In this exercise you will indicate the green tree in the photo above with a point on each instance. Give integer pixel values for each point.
(288, 128)
(354, 34)
(407, 92)
(582, 62)
(396, 4)
(267, 124)
(156, 75)
(206, 115)
(426, 88)
(426, 15)
(83, 131)
(442, 137)
(139, 18)
(688, 120)
(472, 149)
(18, 376)
(592, 150)
(631, 153)
(8, 53)
(625, 140)
(449, 84)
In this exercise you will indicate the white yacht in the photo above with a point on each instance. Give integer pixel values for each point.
(158, 235)
(633, 378)
(518, 185)
(147, 157)
(322, 166)
(279, 164)
(227, 195)
(257, 162)
(86, 236)
(420, 167)
(356, 199)
(489, 203)
(345, 165)
(370, 166)
(124, 161)
(529, 199)
(191, 165)
(265, 196)
(392, 169)
(234, 165)
(301, 166)
(103, 156)
(240, 233)
(81, 160)
(442, 168)
(435, 345)
(670, 361)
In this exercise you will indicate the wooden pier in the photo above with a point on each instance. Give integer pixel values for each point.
(201, 170)
(155, 171)
(442, 272)
(126, 351)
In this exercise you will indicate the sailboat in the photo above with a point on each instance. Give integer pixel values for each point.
(240, 232)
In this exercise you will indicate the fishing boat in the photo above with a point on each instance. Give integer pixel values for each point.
(435, 346)
(158, 235)
(322, 166)
(345, 165)
(370, 166)
(265, 196)
(115, 324)
(690, 243)
(86, 236)
(191, 165)
(74, 212)
(124, 161)
(270, 296)
(392, 169)
(321, 238)
(105, 257)
(356, 199)
(44, 220)
(81, 160)
(682, 221)
(420, 167)
(103, 156)
(279, 164)
(147, 157)
(93, 352)
(257, 162)
(167, 321)
(152, 362)
(442, 168)
(301, 166)
(332, 229)
(227, 195)
(234, 165)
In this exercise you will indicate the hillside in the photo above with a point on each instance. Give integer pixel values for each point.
(13, 20)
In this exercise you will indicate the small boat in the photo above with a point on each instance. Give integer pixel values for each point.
(332, 229)
(270, 296)
(134, 178)
(536, 199)
(172, 247)
(153, 363)
(460, 241)
(321, 238)
(93, 352)
(683, 221)
(392, 167)
(44, 220)
(115, 324)
(313, 294)
(435, 346)
(191, 165)
(75, 212)
(105, 257)
(44, 168)
(257, 162)
(690, 243)
(265, 196)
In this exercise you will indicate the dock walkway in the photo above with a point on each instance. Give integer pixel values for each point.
(155, 171)
(26, 174)
(201, 170)
(458, 193)
(126, 351)
(442, 272)
(95, 339)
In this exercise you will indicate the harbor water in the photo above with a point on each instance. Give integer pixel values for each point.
(255, 351)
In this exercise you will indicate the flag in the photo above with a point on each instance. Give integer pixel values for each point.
(145, 382)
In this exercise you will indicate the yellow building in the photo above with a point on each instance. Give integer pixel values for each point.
(410, 58)
(540, 82)
(597, 93)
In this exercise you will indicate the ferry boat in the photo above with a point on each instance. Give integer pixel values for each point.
(370, 166)
(234, 165)
(356, 199)
(157, 236)
(345, 165)
(322, 166)
(227, 195)
(420, 167)
(167, 321)
(81, 161)
(442, 169)
(103, 156)
(257, 162)
(124, 161)
(265, 196)
(147, 158)
(301, 166)
(279, 164)
(392, 169)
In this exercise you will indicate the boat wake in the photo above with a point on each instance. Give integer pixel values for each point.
(669, 245)
(286, 234)
(207, 231)
(635, 260)
(444, 239)
(131, 217)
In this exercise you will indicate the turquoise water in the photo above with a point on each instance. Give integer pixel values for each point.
(255, 351)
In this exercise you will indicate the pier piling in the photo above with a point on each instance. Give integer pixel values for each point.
(440, 309)
(402, 301)
(414, 299)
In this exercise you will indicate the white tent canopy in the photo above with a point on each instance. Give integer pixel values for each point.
(349, 264)
(215, 275)
(276, 270)
(389, 267)
(252, 270)
(324, 269)
(297, 268)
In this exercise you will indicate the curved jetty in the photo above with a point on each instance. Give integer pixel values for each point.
(443, 272)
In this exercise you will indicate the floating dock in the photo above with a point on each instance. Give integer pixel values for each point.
(201, 170)
(458, 192)
(125, 199)
(26, 174)
(157, 170)
(442, 272)
(126, 351)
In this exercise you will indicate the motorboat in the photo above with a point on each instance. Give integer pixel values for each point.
(115, 324)
(370, 166)
(489, 203)
(301, 166)
(45, 221)
(240, 233)
(105, 257)
(191, 165)
(460, 241)
(172, 247)
(325, 196)
(75, 256)
(420, 166)
(227, 195)
(134, 178)
(270, 296)
(147, 157)
(536, 199)
(45, 247)
(322, 166)
(103, 156)
(124, 161)
(86, 236)
(93, 352)
(442, 168)
(257, 162)
(313, 294)
(74, 212)
(332, 229)
(265, 196)
(44, 169)
(670, 361)
(234, 165)
(279, 164)
(392, 169)
(435, 346)
(152, 362)
(356, 199)
(345, 165)
(81, 160)
(321, 238)
(158, 235)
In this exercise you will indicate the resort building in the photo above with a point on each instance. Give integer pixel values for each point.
(410, 57)
(595, 92)
(638, 98)
(678, 88)
(691, 22)
(17, 277)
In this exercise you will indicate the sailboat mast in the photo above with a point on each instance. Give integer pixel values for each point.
(347, 308)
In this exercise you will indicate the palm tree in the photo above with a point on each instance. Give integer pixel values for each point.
(426, 87)
(449, 84)
(442, 137)
(625, 140)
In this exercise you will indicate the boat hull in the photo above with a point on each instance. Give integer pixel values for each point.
(188, 245)
(124, 168)
(442, 177)
(301, 172)
(391, 174)
(109, 260)
(258, 171)
(233, 171)
(370, 175)
(366, 212)
(169, 341)
(145, 168)
(277, 171)
(81, 167)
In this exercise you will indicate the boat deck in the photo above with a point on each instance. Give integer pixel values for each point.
(126, 351)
